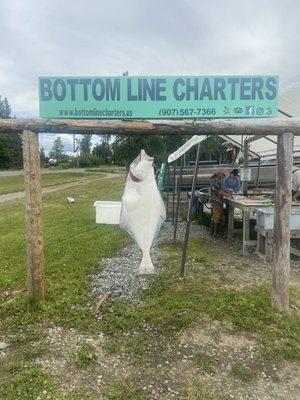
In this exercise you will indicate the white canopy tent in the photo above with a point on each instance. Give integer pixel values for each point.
(266, 147)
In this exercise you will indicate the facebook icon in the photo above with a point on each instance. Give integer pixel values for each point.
(249, 110)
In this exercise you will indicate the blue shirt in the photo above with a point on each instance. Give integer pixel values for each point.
(233, 184)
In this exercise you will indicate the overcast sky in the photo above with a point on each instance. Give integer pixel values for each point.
(145, 37)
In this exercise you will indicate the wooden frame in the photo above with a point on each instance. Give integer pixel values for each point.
(284, 128)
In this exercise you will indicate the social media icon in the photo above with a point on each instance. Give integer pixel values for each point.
(249, 110)
(269, 111)
(259, 111)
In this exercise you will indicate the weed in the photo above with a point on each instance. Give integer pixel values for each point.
(124, 390)
(83, 356)
(243, 373)
(205, 362)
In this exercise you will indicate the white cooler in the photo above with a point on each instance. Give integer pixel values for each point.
(108, 212)
(265, 218)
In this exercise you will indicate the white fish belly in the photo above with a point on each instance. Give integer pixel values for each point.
(142, 213)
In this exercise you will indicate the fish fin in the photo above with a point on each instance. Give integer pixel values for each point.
(146, 267)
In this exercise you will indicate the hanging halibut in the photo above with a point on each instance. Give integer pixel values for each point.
(143, 210)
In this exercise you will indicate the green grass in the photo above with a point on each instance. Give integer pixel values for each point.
(73, 244)
(10, 184)
(21, 379)
(171, 305)
(198, 390)
(28, 384)
(122, 389)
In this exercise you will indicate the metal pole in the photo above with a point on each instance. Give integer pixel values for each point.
(245, 183)
(178, 198)
(173, 194)
(188, 223)
(167, 186)
(258, 173)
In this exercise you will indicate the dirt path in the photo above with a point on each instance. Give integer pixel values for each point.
(43, 171)
(51, 189)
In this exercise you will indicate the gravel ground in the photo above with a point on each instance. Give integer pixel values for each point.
(119, 275)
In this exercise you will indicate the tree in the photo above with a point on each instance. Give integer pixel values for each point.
(11, 153)
(43, 158)
(126, 148)
(103, 150)
(85, 144)
(57, 150)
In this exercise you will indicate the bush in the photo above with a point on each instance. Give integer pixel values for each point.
(89, 160)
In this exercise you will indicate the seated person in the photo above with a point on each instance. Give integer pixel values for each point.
(233, 182)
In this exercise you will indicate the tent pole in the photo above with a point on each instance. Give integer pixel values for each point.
(167, 186)
(258, 172)
(245, 183)
(188, 223)
(178, 198)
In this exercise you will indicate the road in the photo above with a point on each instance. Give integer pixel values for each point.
(51, 189)
(44, 171)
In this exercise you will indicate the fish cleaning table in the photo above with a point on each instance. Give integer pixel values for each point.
(247, 205)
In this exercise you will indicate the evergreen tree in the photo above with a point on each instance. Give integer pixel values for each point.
(85, 144)
(43, 158)
(11, 153)
(103, 150)
(57, 150)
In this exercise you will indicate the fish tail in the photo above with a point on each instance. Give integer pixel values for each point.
(146, 267)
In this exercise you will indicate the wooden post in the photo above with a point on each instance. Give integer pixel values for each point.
(281, 236)
(33, 213)
(246, 231)
(230, 223)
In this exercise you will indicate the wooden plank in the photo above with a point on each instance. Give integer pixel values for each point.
(33, 214)
(295, 251)
(269, 249)
(281, 236)
(230, 223)
(246, 230)
(247, 126)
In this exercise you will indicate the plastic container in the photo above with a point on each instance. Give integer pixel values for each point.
(108, 212)
(265, 218)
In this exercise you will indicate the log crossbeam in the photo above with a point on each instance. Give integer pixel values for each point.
(260, 126)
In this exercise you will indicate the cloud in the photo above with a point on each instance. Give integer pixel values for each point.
(51, 37)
